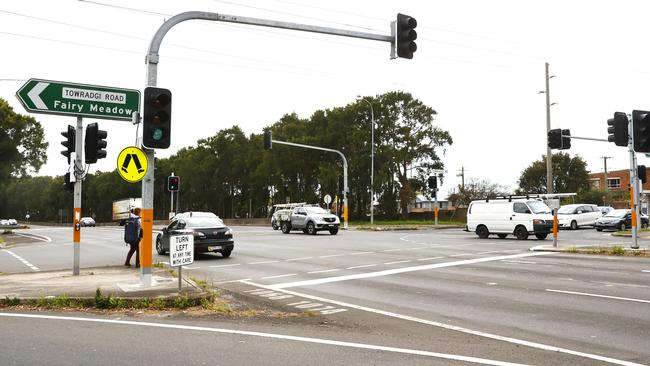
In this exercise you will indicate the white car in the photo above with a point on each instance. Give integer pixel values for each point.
(576, 215)
(12, 222)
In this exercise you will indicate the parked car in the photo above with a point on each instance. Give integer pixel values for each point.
(605, 209)
(87, 221)
(619, 220)
(4, 222)
(310, 219)
(509, 216)
(210, 233)
(576, 215)
(12, 222)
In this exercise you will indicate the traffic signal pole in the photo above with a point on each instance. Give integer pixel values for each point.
(76, 215)
(633, 187)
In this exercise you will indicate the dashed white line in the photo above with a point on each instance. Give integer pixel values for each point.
(226, 265)
(362, 266)
(331, 255)
(263, 262)
(325, 270)
(391, 250)
(645, 270)
(462, 255)
(359, 253)
(272, 336)
(398, 262)
(279, 276)
(429, 259)
(597, 295)
(24, 261)
(298, 259)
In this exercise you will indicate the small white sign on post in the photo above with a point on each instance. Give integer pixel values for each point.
(327, 199)
(181, 250)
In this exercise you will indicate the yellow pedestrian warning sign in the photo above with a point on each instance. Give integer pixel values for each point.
(132, 164)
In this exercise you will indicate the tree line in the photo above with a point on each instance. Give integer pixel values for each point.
(232, 175)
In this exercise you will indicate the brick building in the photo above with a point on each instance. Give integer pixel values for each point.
(618, 181)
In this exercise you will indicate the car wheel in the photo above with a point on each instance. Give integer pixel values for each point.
(226, 253)
(159, 247)
(644, 225)
(502, 236)
(482, 232)
(311, 228)
(285, 227)
(574, 225)
(541, 236)
(622, 226)
(334, 230)
(521, 232)
(599, 229)
(274, 225)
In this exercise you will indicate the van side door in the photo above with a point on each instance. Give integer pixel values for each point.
(521, 215)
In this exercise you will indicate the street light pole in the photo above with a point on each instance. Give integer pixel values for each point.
(372, 163)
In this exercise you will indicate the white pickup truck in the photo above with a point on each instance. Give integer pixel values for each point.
(309, 219)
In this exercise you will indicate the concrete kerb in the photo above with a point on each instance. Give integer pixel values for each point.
(404, 227)
(116, 281)
(582, 248)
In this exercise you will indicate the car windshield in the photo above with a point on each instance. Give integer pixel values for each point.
(316, 210)
(204, 222)
(616, 213)
(566, 210)
(538, 207)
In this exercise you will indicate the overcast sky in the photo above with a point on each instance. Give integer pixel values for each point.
(479, 64)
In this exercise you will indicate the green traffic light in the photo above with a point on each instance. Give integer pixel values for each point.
(157, 134)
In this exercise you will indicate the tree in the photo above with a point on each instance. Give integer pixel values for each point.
(22, 144)
(475, 189)
(569, 175)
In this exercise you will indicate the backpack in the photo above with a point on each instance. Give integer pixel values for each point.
(132, 231)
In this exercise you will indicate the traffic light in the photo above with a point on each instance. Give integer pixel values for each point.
(641, 131)
(156, 123)
(268, 140)
(641, 173)
(173, 183)
(555, 138)
(405, 35)
(433, 182)
(617, 129)
(67, 185)
(94, 143)
(566, 139)
(69, 142)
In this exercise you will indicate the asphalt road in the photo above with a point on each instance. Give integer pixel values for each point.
(443, 289)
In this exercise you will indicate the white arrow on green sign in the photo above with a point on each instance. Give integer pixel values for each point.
(70, 99)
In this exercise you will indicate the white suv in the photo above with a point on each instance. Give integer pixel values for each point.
(576, 215)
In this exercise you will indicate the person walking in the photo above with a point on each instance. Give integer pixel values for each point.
(132, 236)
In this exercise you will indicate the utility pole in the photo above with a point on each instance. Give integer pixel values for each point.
(462, 177)
(549, 163)
(605, 165)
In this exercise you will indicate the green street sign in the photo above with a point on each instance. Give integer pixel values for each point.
(70, 99)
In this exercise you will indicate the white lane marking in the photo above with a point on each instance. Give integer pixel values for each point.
(597, 295)
(332, 255)
(23, 260)
(388, 263)
(359, 253)
(325, 271)
(391, 250)
(280, 276)
(263, 262)
(405, 269)
(455, 328)
(190, 267)
(226, 265)
(645, 270)
(298, 259)
(429, 259)
(328, 342)
(35, 236)
(462, 255)
(243, 279)
(362, 266)
(519, 262)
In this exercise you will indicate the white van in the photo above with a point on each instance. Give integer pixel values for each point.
(504, 216)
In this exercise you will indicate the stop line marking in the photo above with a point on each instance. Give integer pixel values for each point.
(598, 295)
